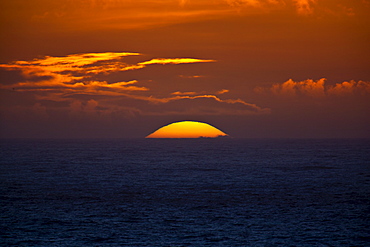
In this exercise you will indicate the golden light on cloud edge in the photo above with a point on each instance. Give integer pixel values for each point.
(317, 88)
(187, 129)
(76, 72)
(65, 78)
(175, 61)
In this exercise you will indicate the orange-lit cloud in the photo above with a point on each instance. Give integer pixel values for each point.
(199, 93)
(191, 76)
(71, 68)
(77, 59)
(350, 88)
(88, 63)
(74, 74)
(317, 89)
(75, 71)
(92, 87)
(183, 93)
(223, 91)
(77, 79)
(305, 7)
(175, 61)
(307, 87)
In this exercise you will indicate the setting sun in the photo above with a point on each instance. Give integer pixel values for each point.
(187, 129)
(124, 68)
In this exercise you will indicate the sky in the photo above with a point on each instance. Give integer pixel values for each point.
(124, 68)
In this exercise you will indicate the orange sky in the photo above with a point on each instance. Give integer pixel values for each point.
(123, 68)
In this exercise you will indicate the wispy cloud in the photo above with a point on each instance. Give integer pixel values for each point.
(117, 14)
(76, 71)
(200, 105)
(71, 68)
(200, 93)
(175, 61)
(223, 91)
(184, 93)
(238, 3)
(78, 78)
(303, 7)
(192, 76)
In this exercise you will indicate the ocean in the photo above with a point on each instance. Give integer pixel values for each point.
(185, 192)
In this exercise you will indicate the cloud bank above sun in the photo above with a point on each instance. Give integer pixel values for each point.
(86, 84)
(259, 68)
(187, 129)
(77, 80)
(90, 88)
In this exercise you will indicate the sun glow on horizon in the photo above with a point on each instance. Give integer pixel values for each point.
(187, 129)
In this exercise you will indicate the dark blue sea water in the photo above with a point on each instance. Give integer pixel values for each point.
(197, 192)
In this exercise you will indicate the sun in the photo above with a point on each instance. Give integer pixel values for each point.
(187, 129)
